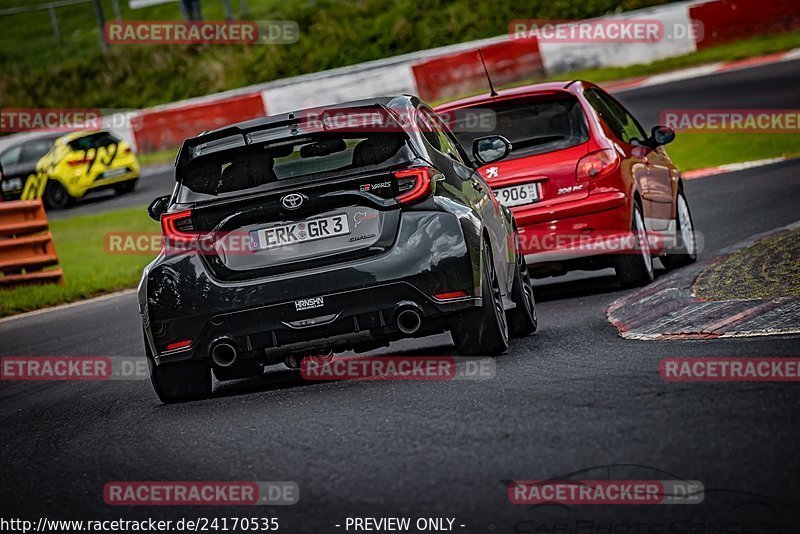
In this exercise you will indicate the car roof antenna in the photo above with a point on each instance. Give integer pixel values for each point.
(492, 92)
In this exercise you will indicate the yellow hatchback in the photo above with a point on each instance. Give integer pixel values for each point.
(81, 162)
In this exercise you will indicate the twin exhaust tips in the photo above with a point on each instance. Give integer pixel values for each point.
(408, 319)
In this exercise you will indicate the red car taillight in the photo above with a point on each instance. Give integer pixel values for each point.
(178, 230)
(597, 164)
(79, 162)
(414, 184)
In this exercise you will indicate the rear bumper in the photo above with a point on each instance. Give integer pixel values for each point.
(355, 304)
(108, 182)
(350, 320)
(572, 230)
(82, 183)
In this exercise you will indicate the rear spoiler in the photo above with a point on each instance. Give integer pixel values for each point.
(187, 152)
(239, 137)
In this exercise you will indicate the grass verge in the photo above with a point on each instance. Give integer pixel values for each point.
(157, 157)
(701, 150)
(769, 268)
(88, 269)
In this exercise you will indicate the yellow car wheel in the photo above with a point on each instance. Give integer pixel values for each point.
(56, 196)
(125, 187)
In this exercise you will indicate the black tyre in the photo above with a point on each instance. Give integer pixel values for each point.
(522, 319)
(685, 251)
(635, 268)
(484, 332)
(178, 382)
(56, 196)
(125, 187)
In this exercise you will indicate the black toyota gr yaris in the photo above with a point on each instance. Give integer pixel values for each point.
(324, 230)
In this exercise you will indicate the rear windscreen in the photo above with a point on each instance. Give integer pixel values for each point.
(306, 158)
(535, 125)
(95, 140)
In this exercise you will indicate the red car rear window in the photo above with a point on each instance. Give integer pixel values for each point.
(533, 125)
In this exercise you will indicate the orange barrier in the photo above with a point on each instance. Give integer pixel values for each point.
(26, 247)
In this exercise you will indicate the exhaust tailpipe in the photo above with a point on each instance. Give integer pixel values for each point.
(292, 361)
(409, 319)
(224, 354)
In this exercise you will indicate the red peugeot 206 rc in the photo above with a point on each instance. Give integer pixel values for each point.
(588, 187)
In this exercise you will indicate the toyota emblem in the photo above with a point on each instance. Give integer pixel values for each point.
(292, 201)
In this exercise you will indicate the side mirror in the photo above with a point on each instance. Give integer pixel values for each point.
(661, 135)
(490, 149)
(158, 207)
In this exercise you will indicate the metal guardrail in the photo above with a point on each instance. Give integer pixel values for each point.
(41, 7)
(51, 7)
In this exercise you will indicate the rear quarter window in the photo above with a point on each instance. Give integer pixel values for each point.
(617, 118)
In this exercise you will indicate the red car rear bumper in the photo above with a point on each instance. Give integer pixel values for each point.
(587, 227)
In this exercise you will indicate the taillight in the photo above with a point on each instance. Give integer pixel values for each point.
(79, 162)
(449, 295)
(597, 164)
(178, 230)
(414, 184)
(179, 344)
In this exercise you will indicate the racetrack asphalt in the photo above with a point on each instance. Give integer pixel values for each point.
(574, 396)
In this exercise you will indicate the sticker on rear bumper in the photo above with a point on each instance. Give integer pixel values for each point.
(309, 304)
(114, 173)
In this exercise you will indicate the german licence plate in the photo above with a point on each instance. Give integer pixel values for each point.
(299, 232)
(12, 184)
(113, 173)
(517, 195)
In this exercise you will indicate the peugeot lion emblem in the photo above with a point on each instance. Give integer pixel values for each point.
(292, 201)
